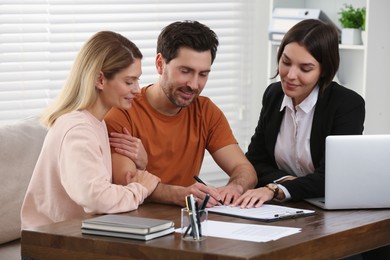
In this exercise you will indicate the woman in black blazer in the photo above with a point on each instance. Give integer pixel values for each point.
(298, 113)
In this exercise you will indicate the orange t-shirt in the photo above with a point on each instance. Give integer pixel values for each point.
(175, 144)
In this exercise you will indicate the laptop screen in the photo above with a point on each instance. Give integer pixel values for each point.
(357, 171)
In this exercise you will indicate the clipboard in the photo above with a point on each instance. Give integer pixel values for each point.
(266, 212)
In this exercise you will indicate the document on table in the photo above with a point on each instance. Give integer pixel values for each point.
(266, 212)
(247, 232)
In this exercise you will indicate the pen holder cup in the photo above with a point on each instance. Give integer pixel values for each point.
(193, 226)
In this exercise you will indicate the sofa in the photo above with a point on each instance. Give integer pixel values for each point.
(20, 145)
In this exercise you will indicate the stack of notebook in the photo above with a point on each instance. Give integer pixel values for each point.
(127, 227)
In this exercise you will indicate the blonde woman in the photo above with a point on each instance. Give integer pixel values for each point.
(73, 175)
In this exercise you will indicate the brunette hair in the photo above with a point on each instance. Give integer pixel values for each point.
(322, 41)
(191, 34)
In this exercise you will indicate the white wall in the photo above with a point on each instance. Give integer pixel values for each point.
(377, 72)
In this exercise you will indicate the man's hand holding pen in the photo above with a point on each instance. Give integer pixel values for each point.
(215, 198)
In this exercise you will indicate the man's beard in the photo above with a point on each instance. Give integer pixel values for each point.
(176, 101)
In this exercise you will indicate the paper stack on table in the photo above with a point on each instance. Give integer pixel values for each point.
(248, 232)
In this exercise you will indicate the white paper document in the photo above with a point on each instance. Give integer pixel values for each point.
(247, 232)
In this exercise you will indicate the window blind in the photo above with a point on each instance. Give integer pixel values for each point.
(40, 38)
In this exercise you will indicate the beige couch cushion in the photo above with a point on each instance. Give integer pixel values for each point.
(10, 250)
(20, 145)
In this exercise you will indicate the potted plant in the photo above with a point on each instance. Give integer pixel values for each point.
(352, 22)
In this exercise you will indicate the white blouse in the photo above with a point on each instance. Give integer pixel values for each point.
(292, 149)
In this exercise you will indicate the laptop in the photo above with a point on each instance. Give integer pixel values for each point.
(357, 172)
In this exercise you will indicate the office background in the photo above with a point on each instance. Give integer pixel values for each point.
(40, 38)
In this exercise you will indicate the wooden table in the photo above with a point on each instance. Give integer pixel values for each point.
(326, 235)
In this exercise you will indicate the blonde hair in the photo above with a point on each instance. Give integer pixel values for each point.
(106, 52)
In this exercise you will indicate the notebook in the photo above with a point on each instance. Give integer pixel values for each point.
(144, 237)
(357, 172)
(126, 224)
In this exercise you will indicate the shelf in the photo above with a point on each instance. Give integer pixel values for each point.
(351, 47)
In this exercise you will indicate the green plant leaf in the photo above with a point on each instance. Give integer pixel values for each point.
(351, 17)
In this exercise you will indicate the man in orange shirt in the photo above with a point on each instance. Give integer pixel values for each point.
(170, 126)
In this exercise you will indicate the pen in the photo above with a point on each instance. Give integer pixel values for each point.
(204, 203)
(190, 217)
(200, 181)
(194, 216)
(198, 218)
(289, 214)
(188, 208)
(201, 210)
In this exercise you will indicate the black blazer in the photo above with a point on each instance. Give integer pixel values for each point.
(338, 111)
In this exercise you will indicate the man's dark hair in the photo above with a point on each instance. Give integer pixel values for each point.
(191, 34)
